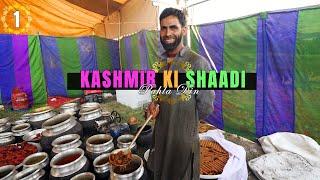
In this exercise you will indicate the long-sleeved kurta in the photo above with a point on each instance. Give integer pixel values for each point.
(175, 153)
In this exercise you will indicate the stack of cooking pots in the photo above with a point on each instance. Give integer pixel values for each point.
(90, 112)
(40, 115)
(57, 126)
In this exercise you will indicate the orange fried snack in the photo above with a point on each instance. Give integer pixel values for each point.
(120, 158)
(213, 158)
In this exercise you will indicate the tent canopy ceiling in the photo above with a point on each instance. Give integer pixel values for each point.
(100, 6)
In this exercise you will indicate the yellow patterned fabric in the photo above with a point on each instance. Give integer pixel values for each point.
(47, 17)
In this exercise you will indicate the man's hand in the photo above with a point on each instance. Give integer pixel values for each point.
(152, 109)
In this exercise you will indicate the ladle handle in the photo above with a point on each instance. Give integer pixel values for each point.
(138, 133)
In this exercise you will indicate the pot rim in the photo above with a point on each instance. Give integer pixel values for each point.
(4, 121)
(84, 174)
(75, 137)
(47, 109)
(29, 171)
(13, 129)
(127, 136)
(46, 157)
(92, 110)
(139, 169)
(66, 153)
(28, 135)
(99, 136)
(67, 120)
(12, 169)
(6, 135)
(69, 105)
(105, 155)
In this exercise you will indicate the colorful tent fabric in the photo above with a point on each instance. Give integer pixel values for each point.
(21, 66)
(283, 49)
(140, 51)
(46, 17)
(39, 64)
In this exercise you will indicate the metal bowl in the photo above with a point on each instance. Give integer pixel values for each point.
(30, 136)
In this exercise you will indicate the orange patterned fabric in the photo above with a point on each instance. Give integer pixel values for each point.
(47, 17)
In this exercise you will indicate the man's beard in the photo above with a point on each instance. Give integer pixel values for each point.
(171, 46)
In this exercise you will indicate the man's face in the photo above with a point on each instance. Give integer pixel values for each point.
(171, 33)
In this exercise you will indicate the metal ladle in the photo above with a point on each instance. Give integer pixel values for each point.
(128, 149)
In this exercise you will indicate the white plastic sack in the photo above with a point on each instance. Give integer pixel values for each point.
(292, 142)
(283, 165)
(236, 167)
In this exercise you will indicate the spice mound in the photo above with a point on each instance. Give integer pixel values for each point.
(213, 157)
(14, 154)
(120, 158)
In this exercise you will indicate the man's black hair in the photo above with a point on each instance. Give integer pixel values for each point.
(174, 12)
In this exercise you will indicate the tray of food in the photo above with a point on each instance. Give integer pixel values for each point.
(213, 158)
(14, 154)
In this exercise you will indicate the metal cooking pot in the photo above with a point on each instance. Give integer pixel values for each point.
(40, 160)
(71, 108)
(68, 163)
(84, 176)
(90, 105)
(57, 126)
(33, 173)
(6, 138)
(5, 127)
(124, 141)
(20, 130)
(63, 143)
(99, 144)
(136, 173)
(101, 166)
(30, 136)
(88, 118)
(7, 172)
(38, 117)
